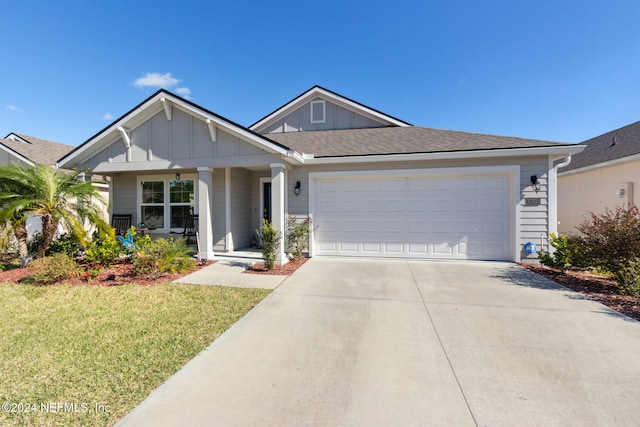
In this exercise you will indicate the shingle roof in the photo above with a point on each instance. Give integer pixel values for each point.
(37, 150)
(603, 149)
(397, 140)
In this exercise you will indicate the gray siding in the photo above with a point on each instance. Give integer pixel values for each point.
(337, 117)
(180, 140)
(241, 208)
(125, 196)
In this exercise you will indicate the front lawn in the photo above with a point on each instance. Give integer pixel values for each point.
(87, 355)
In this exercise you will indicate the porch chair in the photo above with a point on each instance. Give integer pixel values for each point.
(121, 223)
(191, 230)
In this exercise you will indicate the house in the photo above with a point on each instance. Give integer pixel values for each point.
(19, 148)
(28, 150)
(372, 184)
(600, 177)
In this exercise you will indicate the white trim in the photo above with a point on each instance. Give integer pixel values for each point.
(319, 92)
(321, 102)
(479, 154)
(228, 241)
(87, 149)
(17, 155)
(166, 178)
(212, 130)
(167, 108)
(615, 162)
(513, 171)
(263, 180)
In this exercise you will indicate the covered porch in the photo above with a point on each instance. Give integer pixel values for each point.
(230, 203)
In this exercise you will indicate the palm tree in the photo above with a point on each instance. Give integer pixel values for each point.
(55, 197)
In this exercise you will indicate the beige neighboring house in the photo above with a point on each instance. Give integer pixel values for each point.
(28, 150)
(605, 175)
(372, 184)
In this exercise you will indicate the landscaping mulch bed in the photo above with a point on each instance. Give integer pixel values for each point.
(119, 273)
(597, 288)
(281, 270)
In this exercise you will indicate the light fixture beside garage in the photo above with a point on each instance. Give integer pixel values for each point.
(535, 183)
(297, 188)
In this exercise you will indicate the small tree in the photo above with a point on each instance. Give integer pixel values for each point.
(611, 241)
(297, 236)
(51, 195)
(270, 243)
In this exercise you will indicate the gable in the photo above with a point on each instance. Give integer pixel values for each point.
(166, 131)
(321, 109)
(322, 114)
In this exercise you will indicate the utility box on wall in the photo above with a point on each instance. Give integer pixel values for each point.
(625, 193)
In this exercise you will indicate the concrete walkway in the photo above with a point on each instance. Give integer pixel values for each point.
(411, 343)
(229, 272)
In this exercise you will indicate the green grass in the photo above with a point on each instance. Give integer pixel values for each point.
(92, 345)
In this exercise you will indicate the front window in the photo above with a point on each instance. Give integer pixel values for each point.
(166, 203)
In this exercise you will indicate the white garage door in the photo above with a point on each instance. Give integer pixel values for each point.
(432, 216)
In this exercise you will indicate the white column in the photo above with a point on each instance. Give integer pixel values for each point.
(278, 214)
(228, 236)
(205, 226)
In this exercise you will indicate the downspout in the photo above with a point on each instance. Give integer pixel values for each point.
(553, 213)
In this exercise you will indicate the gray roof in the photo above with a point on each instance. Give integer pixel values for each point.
(37, 150)
(396, 140)
(603, 149)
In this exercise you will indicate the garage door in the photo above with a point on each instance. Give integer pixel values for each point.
(432, 216)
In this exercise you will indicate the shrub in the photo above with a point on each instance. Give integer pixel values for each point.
(567, 253)
(297, 236)
(54, 268)
(628, 278)
(104, 248)
(67, 244)
(611, 241)
(270, 243)
(164, 256)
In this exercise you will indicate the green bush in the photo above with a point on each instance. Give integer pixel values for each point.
(270, 238)
(104, 249)
(628, 278)
(66, 244)
(611, 242)
(54, 268)
(297, 236)
(567, 253)
(164, 256)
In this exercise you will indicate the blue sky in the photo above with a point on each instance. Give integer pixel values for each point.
(555, 70)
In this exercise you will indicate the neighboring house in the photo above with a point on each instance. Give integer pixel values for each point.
(601, 177)
(27, 150)
(373, 185)
(18, 148)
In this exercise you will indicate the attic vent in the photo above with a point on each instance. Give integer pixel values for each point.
(318, 110)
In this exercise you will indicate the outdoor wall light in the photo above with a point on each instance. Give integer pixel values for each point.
(296, 189)
(535, 183)
(177, 176)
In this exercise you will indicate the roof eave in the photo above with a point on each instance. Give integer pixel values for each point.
(614, 162)
(559, 151)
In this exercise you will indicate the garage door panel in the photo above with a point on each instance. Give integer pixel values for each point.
(463, 217)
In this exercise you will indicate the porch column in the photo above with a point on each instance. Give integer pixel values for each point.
(228, 235)
(278, 194)
(205, 220)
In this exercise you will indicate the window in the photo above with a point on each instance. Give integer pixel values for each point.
(165, 202)
(318, 110)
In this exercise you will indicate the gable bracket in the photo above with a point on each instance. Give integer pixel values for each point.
(125, 136)
(167, 107)
(212, 130)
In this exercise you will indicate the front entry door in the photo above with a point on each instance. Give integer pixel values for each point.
(266, 201)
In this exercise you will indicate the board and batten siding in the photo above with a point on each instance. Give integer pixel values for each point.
(124, 201)
(181, 139)
(336, 117)
(241, 208)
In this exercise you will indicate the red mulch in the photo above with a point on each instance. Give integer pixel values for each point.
(119, 273)
(282, 270)
(594, 287)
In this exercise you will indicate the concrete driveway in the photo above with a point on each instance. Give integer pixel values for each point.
(397, 342)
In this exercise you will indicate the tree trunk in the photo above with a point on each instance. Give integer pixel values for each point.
(49, 227)
(20, 231)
